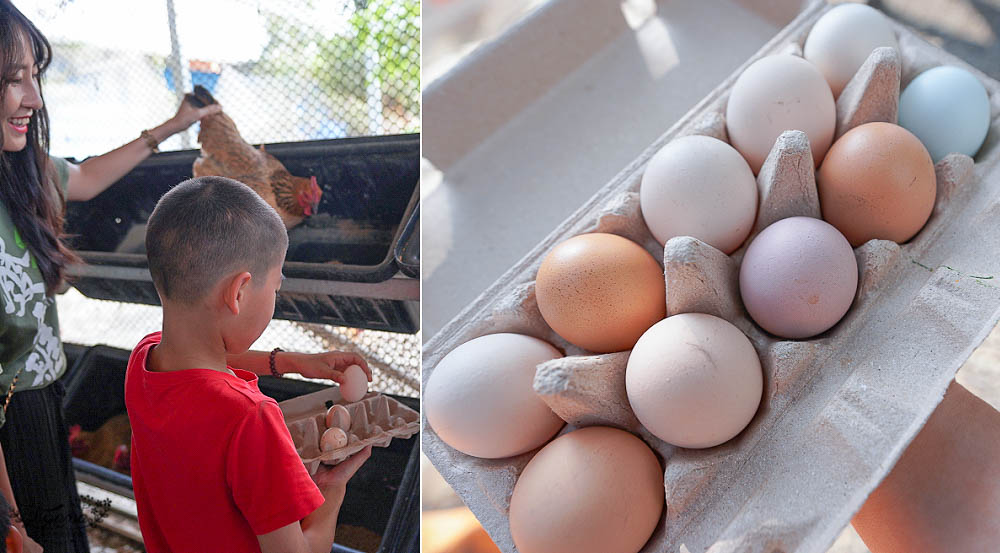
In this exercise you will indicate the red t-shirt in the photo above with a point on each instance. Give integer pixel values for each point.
(213, 465)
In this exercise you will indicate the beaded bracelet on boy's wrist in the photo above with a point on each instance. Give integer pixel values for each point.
(274, 368)
(151, 141)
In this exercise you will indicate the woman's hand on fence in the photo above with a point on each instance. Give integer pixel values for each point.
(187, 115)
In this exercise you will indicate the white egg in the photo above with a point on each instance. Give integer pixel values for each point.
(702, 187)
(355, 384)
(841, 41)
(480, 399)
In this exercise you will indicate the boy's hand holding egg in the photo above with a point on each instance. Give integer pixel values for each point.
(354, 384)
(331, 365)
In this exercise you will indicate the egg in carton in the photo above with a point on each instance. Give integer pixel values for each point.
(838, 409)
(374, 420)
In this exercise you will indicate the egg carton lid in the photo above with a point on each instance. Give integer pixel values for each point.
(849, 402)
(371, 421)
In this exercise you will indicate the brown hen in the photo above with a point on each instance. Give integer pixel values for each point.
(224, 153)
(107, 446)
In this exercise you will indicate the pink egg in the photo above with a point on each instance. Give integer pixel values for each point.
(798, 277)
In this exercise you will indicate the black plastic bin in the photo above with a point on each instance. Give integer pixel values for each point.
(383, 496)
(355, 263)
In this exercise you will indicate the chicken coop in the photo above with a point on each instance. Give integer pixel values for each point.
(326, 91)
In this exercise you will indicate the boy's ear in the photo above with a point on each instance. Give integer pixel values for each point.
(234, 290)
(14, 542)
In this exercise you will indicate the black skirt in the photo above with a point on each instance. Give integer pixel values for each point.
(36, 447)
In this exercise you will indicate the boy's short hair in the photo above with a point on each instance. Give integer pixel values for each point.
(206, 228)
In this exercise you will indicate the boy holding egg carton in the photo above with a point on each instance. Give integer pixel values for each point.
(327, 428)
(213, 465)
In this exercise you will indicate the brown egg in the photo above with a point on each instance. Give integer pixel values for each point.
(338, 416)
(600, 291)
(593, 490)
(877, 181)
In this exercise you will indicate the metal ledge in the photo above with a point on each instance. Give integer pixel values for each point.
(395, 288)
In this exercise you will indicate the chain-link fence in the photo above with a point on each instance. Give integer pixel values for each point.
(284, 70)
(394, 358)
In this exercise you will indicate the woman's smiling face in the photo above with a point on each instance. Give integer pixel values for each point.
(21, 99)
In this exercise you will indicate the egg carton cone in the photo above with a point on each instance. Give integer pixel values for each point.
(838, 409)
(375, 420)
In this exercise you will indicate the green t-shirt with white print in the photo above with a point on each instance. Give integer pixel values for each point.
(29, 324)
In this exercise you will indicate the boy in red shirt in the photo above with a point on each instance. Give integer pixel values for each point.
(213, 465)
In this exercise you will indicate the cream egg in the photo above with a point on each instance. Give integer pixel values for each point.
(694, 380)
(480, 399)
(776, 94)
(699, 186)
(593, 490)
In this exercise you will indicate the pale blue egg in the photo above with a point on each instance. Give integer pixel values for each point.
(948, 109)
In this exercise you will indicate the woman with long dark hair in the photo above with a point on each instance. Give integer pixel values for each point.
(36, 473)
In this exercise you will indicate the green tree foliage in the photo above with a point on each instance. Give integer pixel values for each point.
(380, 50)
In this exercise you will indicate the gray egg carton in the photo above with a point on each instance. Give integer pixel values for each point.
(375, 420)
(839, 409)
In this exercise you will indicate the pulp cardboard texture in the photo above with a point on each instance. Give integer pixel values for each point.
(497, 197)
(375, 421)
(839, 409)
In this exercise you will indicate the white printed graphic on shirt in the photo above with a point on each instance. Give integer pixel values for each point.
(15, 284)
(46, 359)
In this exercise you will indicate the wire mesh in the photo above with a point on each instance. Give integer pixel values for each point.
(394, 358)
(284, 70)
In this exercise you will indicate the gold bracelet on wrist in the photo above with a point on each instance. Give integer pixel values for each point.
(150, 141)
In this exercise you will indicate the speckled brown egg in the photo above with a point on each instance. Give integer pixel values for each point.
(600, 291)
(333, 438)
(877, 181)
